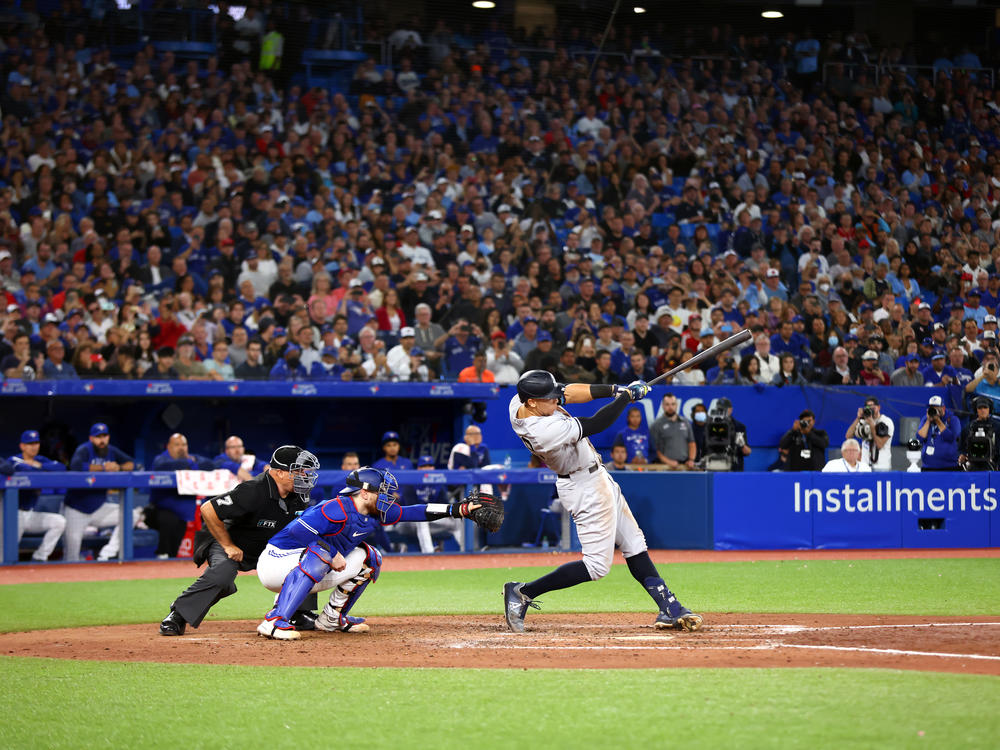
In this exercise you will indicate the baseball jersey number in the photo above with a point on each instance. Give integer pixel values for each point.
(225, 500)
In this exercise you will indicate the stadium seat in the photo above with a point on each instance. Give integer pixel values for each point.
(320, 63)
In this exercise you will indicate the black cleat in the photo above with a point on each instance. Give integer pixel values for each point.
(173, 624)
(304, 620)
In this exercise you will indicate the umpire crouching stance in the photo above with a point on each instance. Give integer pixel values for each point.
(238, 526)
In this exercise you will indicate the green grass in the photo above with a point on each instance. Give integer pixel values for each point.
(949, 587)
(54, 704)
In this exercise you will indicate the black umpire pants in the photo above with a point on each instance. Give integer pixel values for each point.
(216, 583)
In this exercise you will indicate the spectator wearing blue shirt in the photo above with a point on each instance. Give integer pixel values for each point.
(635, 437)
(29, 520)
(471, 453)
(55, 366)
(939, 372)
(327, 367)
(173, 512)
(956, 359)
(938, 433)
(459, 349)
(986, 382)
(235, 458)
(91, 507)
(973, 309)
(356, 307)
(289, 366)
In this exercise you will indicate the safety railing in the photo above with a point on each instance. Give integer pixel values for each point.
(877, 71)
(130, 483)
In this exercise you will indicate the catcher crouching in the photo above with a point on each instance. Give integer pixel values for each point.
(326, 548)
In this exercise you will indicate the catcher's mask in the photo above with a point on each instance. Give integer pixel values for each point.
(301, 464)
(382, 483)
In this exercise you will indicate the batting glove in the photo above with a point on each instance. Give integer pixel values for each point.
(637, 390)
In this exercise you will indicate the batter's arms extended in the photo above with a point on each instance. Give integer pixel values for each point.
(581, 393)
(218, 530)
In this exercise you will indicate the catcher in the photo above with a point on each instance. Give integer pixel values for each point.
(325, 548)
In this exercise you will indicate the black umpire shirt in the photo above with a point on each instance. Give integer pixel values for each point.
(253, 512)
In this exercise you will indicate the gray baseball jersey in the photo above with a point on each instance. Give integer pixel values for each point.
(586, 490)
(557, 440)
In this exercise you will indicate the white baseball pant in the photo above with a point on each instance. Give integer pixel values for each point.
(52, 525)
(275, 564)
(104, 517)
(603, 519)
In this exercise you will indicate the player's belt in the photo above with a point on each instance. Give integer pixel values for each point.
(591, 470)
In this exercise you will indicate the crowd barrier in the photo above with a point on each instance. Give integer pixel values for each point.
(693, 510)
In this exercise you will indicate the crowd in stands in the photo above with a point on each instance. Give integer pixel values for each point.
(470, 213)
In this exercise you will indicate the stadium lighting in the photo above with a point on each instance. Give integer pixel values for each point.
(638, 9)
(772, 14)
(484, 4)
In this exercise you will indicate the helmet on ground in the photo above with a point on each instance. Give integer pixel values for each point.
(539, 384)
(300, 463)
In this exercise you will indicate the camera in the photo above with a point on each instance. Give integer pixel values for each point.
(991, 367)
(804, 424)
(465, 328)
(932, 411)
(719, 454)
(867, 412)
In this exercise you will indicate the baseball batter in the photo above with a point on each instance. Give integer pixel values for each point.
(587, 491)
(326, 548)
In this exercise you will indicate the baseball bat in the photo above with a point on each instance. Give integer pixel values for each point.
(710, 353)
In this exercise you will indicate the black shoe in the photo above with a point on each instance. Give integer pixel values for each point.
(304, 620)
(173, 624)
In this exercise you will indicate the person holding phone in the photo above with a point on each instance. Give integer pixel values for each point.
(986, 381)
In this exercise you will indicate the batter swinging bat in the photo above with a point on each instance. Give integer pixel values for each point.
(710, 353)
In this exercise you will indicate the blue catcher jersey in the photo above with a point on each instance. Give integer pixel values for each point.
(337, 522)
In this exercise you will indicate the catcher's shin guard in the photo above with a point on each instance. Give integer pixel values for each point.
(335, 614)
(313, 565)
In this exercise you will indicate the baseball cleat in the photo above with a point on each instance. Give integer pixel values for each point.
(684, 620)
(278, 629)
(304, 620)
(515, 605)
(343, 624)
(173, 624)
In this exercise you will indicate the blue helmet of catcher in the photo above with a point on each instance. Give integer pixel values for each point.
(382, 483)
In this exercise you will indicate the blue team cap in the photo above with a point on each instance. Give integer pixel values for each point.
(544, 336)
(293, 348)
(927, 341)
(850, 337)
(865, 307)
(388, 437)
(30, 436)
(329, 351)
(797, 319)
(938, 355)
(279, 331)
(972, 293)
(911, 358)
(425, 460)
(99, 429)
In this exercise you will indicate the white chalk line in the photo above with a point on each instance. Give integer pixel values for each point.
(762, 647)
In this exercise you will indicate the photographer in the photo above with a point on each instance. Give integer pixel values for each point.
(939, 433)
(725, 372)
(978, 442)
(874, 431)
(724, 439)
(803, 448)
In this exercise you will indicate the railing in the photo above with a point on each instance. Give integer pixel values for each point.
(247, 389)
(131, 482)
(879, 70)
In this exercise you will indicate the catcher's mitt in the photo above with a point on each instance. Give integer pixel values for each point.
(489, 515)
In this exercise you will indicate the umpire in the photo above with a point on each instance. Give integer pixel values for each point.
(238, 526)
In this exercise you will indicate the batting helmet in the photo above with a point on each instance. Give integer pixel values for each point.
(539, 384)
